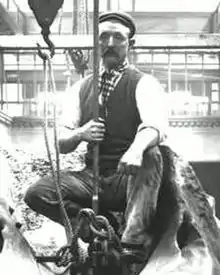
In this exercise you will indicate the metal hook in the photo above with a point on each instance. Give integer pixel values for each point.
(50, 44)
(51, 47)
(43, 55)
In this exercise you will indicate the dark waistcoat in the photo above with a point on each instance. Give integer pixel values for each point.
(122, 120)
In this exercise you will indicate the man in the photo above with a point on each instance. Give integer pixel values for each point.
(133, 121)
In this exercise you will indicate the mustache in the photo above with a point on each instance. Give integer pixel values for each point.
(110, 52)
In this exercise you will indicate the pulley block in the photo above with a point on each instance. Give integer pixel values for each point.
(45, 12)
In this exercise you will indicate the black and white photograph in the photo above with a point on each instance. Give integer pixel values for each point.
(109, 137)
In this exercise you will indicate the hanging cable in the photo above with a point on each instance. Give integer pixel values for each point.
(80, 26)
(60, 21)
(86, 11)
(74, 17)
(49, 77)
(68, 72)
(87, 16)
(45, 13)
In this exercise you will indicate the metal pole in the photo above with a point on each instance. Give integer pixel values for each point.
(169, 73)
(186, 74)
(74, 18)
(34, 103)
(1, 79)
(95, 198)
(108, 5)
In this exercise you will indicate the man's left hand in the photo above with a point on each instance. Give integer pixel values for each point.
(130, 162)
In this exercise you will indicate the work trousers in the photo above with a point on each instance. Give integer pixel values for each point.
(135, 195)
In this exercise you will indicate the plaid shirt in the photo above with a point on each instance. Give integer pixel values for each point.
(107, 83)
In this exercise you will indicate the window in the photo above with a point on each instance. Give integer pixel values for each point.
(25, 61)
(144, 58)
(28, 91)
(211, 61)
(102, 5)
(215, 98)
(161, 58)
(125, 5)
(177, 58)
(194, 61)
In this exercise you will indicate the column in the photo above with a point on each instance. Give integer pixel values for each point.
(1, 78)
(152, 62)
(108, 5)
(19, 107)
(34, 103)
(186, 73)
(204, 87)
(133, 5)
(169, 73)
(74, 17)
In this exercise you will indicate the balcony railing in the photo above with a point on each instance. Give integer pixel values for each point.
(189, 75)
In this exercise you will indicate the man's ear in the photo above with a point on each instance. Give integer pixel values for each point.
(131, 43)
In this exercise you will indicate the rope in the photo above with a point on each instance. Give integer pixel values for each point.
(73, 252)
(80, 17)
(68, 66)
(75, 255)
(99, 226)
(74, 17)
(67, 255)
(60, 20)
(55, 172)
(83, 16)
(101, 229)
(80, 25)
(56, 175)
(87, 16)
(85, 21)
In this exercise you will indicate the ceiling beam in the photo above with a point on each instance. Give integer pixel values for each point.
(147, 41)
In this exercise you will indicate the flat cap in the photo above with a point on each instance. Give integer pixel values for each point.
(120, 16)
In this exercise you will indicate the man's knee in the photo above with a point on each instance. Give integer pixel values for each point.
(153, 158)
(32, 196)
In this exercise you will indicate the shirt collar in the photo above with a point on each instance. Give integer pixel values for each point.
(119, 69)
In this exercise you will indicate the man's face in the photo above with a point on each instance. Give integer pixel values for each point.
(114, 43)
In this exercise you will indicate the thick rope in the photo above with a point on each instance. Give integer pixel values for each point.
(80, 21)
(60, 20)
(68, 66)
(83, 16)
(73, 253)
(56, 175)
(74, 17)
(100, 228)
(80, 17)
(87, 16)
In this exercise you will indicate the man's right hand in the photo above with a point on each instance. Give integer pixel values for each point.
(93, 130)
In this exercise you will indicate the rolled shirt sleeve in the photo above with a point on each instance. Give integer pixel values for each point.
(152, 105)
(71, 112)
